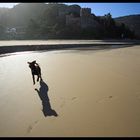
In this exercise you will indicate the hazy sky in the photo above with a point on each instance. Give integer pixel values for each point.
(116, 9)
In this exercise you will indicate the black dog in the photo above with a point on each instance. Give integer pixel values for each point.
(36, 70)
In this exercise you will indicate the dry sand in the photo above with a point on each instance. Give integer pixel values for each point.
(94, 93)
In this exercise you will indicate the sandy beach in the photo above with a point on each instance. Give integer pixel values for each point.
(95, 93)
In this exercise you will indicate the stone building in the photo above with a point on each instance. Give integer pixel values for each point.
(83, 18)
(87, 19)
(74, 9)
(85, 12)
(72, 20)
(15, 32)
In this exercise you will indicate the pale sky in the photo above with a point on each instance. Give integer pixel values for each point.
(7, 5)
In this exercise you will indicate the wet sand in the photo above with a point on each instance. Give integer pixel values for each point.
(93, 92)
(38, 45)
(60, 42)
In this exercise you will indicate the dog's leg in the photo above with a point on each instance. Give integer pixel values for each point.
(40, 77)
(33, 78)
(37, 78)
(40, 74)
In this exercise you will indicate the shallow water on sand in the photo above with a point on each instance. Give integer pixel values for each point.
(45, 42)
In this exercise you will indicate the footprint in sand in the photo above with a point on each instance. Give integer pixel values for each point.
(63, 102)
(29, 129)
(73, 98)
(31, 126)
(106, 99)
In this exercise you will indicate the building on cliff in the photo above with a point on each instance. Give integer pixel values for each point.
(84, 19)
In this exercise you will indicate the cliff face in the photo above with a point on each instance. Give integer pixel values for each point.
(40, 20)
(21, 14)
(132, 21)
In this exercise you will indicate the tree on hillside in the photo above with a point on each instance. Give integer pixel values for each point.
(2, 31)
(32, 30)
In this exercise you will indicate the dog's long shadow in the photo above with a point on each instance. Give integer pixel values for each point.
(43, 94)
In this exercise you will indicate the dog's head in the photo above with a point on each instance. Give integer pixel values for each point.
(31, 64)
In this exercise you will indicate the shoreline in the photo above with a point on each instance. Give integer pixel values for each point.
(61, 45)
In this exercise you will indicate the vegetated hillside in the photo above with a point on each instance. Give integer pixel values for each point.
(21, 14)
(58, 21)
(132, 21)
